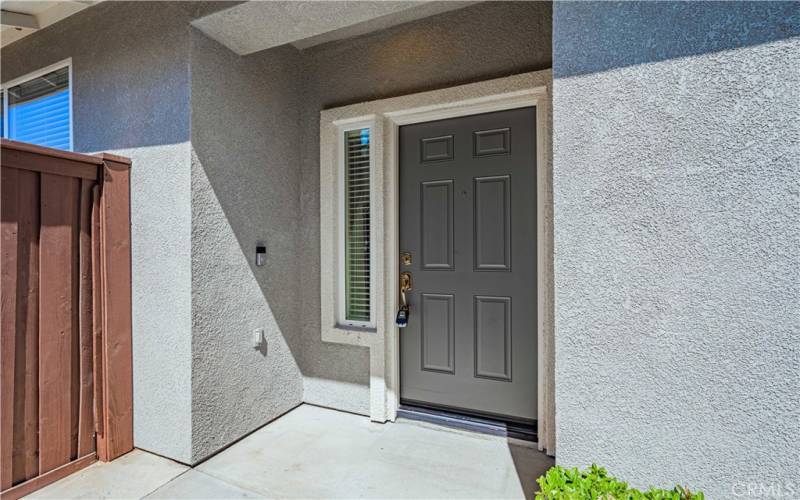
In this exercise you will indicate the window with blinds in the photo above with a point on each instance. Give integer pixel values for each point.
(37, 110)
(357, 218)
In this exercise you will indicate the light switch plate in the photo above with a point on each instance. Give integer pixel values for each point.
(258, 337)
(261, 253)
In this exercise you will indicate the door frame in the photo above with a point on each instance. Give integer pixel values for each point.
(385, 117)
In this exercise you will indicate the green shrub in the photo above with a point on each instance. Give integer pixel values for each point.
(594, 483)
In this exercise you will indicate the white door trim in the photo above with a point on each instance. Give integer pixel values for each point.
(385, 117)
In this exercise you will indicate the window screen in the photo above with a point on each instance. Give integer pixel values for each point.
(38, 110)
(357, 218)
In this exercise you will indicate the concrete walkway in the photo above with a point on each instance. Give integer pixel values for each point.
(314, 452)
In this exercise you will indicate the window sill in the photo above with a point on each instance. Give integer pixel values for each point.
(353, 335)
(356, 328)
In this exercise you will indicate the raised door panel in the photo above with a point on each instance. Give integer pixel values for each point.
(491, 142)
(438, 333)
(492, 232)
(436, 222)
(493, 337)
(436, 148)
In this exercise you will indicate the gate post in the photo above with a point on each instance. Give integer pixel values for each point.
(115, 436)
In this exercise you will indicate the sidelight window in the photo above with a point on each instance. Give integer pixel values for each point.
(356, 289)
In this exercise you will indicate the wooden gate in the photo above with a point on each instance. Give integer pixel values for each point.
(65, 344)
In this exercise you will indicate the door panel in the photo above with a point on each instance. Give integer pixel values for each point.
(468, 218)
(437, 224)
(492, 233)
(438, 332)
(493, 337)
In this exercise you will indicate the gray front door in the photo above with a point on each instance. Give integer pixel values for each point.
(468, 219)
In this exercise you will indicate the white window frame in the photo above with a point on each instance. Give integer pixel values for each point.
(33, 75)
(341, 299)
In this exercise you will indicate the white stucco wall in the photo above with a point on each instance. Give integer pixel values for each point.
(161, 306)
(676, 181)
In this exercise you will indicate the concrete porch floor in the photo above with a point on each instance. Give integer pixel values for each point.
(313, 452)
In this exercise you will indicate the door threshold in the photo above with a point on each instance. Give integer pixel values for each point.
(456, 420)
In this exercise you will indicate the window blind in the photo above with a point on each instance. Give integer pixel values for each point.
(357, 226)
(38, 110)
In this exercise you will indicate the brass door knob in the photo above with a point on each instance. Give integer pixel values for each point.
(405, 281)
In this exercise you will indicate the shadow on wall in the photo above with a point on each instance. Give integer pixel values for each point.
(245, 191)
(478, 43)
(247, 135)
(230, 217)
(619, 41)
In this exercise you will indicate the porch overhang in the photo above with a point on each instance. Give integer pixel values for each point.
(19, 19)
(253, 26)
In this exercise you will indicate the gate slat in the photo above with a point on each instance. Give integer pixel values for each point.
(75, 350)
(97, 316)
(26, 421)
(56, 319)
(8, 311)
(86, 441)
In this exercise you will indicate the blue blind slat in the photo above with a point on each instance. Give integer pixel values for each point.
(38, 126)
(58, 135)
(59, 111)
(43, 121)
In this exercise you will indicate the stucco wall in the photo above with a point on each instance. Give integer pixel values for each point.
(245, 188)
(676, 168)
(226, 153)
(131, 96)
(471, 44)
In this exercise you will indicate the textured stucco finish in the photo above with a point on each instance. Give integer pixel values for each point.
(468, 45)
(225, 153)
(676, 168)
(245, 188)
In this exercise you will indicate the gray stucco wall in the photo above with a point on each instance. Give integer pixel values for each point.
(225, 153)
(472, 44)
(245, 188)
(676, 170)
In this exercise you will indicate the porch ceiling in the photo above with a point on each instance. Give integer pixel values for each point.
(253, 26)
(21, 18)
